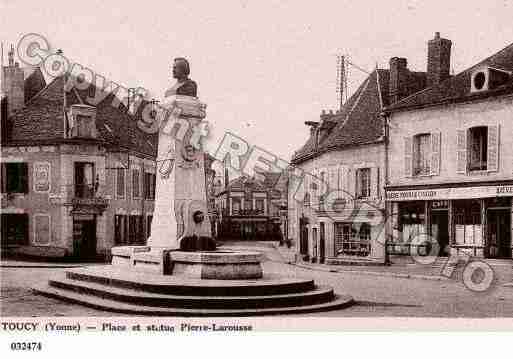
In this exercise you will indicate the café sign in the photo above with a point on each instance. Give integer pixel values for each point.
(450, 193)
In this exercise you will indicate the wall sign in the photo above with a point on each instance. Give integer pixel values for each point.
(451, 193)
(42, 229)
(41, 176)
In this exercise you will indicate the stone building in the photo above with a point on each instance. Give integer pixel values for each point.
(253, 208)
(77, 177)
(336, 207)
(450, 161)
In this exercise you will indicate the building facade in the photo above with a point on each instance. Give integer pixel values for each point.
(450, 160)
(252, 208)
(77, 178)
(336, 205)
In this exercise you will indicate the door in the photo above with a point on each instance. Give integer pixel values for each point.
(303, 237)
(499, 233)
(322, 242)
(440, 231)
(84, 238)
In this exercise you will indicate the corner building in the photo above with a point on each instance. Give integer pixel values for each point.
(346, 151)
(451, 163)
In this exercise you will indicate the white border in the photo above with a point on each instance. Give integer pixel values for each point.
(36, 242)
(34, 164)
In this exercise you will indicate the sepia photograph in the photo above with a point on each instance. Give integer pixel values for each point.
(245, 166)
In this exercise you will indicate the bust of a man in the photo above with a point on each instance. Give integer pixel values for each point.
(184, 86)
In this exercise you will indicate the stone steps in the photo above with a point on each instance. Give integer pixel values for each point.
(125, 291)
(181, 285)
(316, 296)
(338, 302)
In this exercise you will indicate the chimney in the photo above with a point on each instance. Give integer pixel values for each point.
(398, 85)
(439, 60)
(13, 84)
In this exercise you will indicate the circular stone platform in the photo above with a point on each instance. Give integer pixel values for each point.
(219, 264)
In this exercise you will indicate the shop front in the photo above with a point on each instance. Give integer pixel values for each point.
(464, 218)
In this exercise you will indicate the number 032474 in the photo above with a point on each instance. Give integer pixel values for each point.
(26, 346)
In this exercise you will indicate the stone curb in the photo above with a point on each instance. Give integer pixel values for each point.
(376, 274)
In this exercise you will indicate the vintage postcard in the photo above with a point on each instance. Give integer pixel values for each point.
(187, 167)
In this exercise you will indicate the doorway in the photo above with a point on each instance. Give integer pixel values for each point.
(84, 237)
(303, 236)
(440, 230)
(499, 233)
(322, 242)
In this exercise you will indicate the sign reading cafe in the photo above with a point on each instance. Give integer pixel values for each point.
(41, 176)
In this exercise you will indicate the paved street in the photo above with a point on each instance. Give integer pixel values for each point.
(375, 295)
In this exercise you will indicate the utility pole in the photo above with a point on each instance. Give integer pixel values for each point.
(341, 80)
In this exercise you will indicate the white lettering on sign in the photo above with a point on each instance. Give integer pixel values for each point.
(451, 193)
(41, 177)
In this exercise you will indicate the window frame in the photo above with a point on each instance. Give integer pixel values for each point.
(417, 168)
(136, 187)
(118, 171)
(21, 182)
(359, 185)
(483, 149)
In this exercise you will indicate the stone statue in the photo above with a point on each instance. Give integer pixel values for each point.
(184, 86)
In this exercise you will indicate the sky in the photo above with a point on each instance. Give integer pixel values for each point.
(262, 67)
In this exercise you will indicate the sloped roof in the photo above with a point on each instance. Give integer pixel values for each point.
(42, 119)
(457, 88)
(34, 82)
(358, 122)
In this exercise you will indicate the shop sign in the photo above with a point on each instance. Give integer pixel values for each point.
(451, 193)
(41, 177)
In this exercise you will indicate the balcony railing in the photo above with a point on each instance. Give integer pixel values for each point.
(86, 196)
(248, 212)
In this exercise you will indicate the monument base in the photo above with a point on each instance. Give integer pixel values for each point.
(217, 264)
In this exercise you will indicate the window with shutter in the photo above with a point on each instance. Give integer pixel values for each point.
(408, 156)
(493, 148)
(435, 153)
(135, 184)
(24, 178)
(477, 142)
(15, 177)
(461, 154)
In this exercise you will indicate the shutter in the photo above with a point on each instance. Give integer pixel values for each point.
(341, 178)
(492, 156)
(24, 178)
(408, 156)
(434, 164)
(374, 173)
(461, 154)
(332, 178)
(373, 182)
(357, 175)
(4, 178)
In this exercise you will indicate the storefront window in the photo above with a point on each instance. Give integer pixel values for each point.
(468, 226)
(412, 220)
(352, 239)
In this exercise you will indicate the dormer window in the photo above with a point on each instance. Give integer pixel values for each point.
(487, 78)
(84, 126)
(82, 121)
